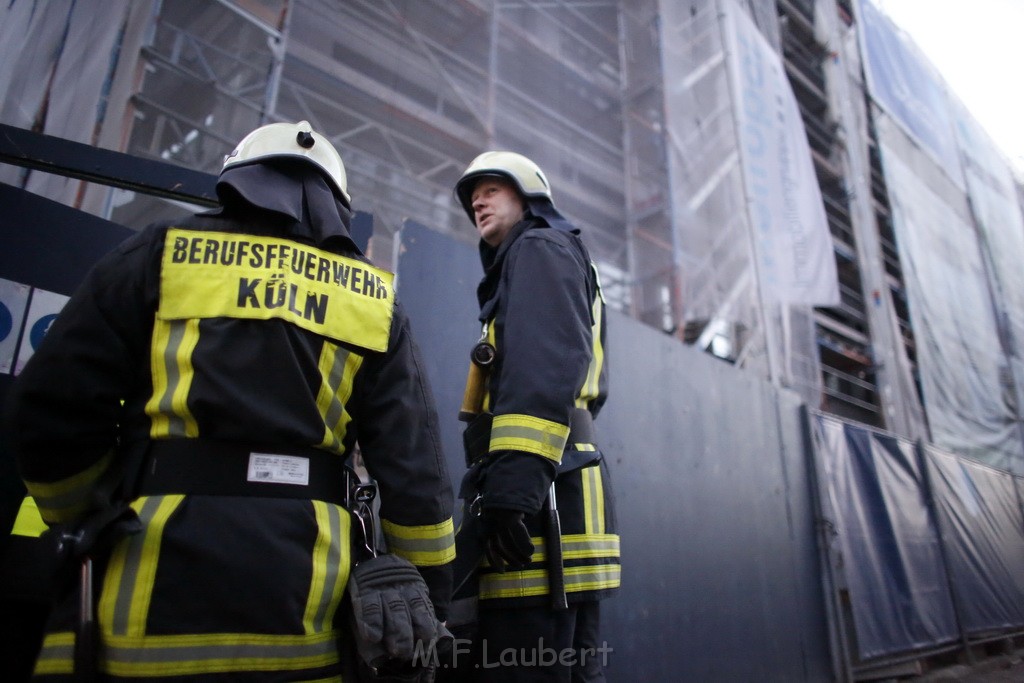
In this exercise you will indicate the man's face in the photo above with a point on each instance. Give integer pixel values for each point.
(496, 208)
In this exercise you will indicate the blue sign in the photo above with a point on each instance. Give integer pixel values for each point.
(40, 328)
(906, 84)
(6, 321)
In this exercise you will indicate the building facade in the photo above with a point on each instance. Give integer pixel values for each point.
(642, 116)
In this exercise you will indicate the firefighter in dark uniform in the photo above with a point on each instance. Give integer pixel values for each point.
(214, 373)
(539, 376)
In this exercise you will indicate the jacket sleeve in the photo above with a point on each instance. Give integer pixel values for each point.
(401, 446)
(63, 411)
(544, 344)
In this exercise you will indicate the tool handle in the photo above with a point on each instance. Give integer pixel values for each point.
(556, 575)
(87, 637)
(473, 397)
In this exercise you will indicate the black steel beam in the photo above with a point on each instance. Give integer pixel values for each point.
(21, 147)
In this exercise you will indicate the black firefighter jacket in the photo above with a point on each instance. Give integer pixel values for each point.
(542, 310)
(228, 329)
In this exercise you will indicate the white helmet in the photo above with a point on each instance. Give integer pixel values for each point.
(296, 141)
(526, 175)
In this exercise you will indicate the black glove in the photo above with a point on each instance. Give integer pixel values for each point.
(506, 539)
(392, 612)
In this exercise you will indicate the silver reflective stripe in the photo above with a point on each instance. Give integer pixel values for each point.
(128, 584)
(130, 567)
(175, 423)
(535, 581)
(330, 593)
(603, 546)
(211, 653)
(338, 367)
(554, 441)
(514, 584)
(593, 498)
(592, 577)
(411, 546)
(57, 654)
(334, 411)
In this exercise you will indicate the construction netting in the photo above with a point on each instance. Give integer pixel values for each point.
(751, 243)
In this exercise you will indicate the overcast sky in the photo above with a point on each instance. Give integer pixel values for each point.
(977, 46)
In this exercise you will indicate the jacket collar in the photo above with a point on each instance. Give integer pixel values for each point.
(493, 260)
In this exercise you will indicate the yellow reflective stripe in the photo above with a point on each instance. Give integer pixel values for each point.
(206, 274)
(492, 340)
(584, 447)
(338, 368)
(529, 434)
(158, 370)
(426, 546)
(29, 522)
(171, 368)
(591, 388)
(65, 499)
(128, 584)
(593, 500)
(217, 653)
(57, 655)
(330, 566)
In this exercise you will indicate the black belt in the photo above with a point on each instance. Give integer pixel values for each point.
(581, 428)
(476, 438)
(225, 468)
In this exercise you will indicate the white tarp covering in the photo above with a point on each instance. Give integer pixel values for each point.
(796, 263)
(963, 369)
(996, 212)
(961, 241)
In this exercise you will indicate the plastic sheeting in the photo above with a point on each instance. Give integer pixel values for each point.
(891, 554)
(997, 215)
(712, 240)
(709, 235)
(964, 372)
(795, 261)
(57, 66)
(961, 241)
(983, 528)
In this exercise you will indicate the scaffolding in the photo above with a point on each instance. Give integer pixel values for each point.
(625, 105)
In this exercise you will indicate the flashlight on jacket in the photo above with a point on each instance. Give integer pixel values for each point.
(482, 357)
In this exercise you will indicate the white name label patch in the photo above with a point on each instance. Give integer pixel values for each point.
(278, 469)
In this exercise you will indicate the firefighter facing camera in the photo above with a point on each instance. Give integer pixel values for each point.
(184, 428)
(538, 549)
